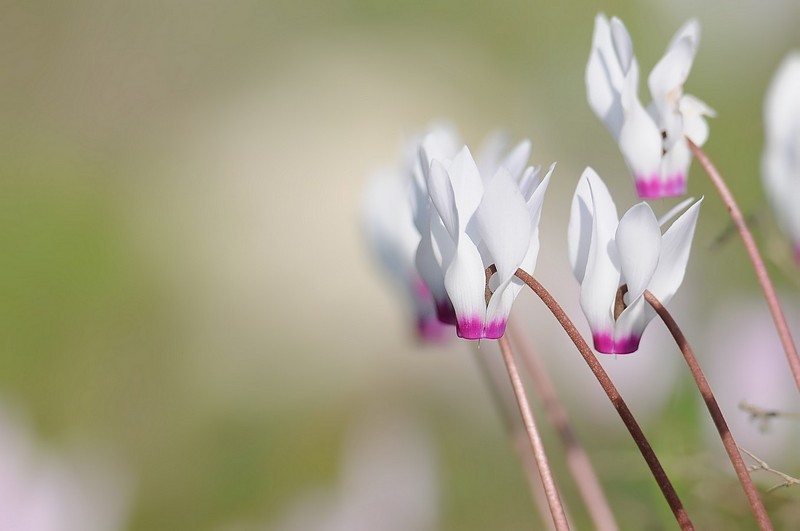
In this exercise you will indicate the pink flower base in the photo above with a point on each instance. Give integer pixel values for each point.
(431, 330)
(605, 344)
(495, 329)
(470, 327)
(654, 187)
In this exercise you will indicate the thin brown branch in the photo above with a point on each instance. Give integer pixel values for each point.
(763, 415)
(577, 460)
(546, 474)
(519, 439)
(619, 404)
(725, 434)
(755, 257)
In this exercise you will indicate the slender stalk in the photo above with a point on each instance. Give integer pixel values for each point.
(546, 474)
(716, 413)
(755, 257)
(519, 438)
(616, 399)
(577, 460)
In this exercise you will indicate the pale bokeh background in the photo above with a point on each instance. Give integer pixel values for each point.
(183, 280)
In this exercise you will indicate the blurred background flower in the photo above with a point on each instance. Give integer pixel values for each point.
(179, 204)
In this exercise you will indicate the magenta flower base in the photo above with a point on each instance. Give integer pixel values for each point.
(470, 327)
(654, 187)
(605, 344)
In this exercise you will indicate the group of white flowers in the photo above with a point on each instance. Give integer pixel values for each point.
(444, 217)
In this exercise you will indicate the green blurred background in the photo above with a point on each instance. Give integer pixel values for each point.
(183, 279)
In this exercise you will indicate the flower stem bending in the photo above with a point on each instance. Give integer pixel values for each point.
(716, 414)
(755, 257)
(616, 399)
(577, 460)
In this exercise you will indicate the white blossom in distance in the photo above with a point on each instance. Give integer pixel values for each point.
(393, 239)
(652, 140)
(780, 165)
(476, 219)
(607, 252)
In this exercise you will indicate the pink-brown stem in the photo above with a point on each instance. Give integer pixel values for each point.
(545, 473)
(577, 460)
(619, 404)
(716, 413)
(755, 257)
(519, 438)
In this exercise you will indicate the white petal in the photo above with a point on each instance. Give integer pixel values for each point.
(604, 77)
(675, 246)
(695, 126)
(517, 159)
(623, 46)
(689, 31)
(504, 224)
(638, 240)
(430, 269)
(441, 193)
(581, 218)
(675, 169)
(465, 280)
(669, 75)
(601, 279)
(630, 326)
(467, 185)
(639, 141)
(782, 105)
(491, 152)
(666, 218)
(529, 181)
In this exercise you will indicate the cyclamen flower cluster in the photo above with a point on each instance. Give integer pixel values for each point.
(467, 215)
(781, 160)
(653, 141)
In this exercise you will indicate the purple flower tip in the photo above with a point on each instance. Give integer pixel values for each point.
(470, 328)
(605, 344)
(431, 330)
(654, 188)
(495, 329)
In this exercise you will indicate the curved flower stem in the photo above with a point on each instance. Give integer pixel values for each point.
(716, 414)
(616, 399)
(755, 257)
(553, 499)
(577, 460)
(519, 439)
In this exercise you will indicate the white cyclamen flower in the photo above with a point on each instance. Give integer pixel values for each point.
(607, 252)
(780, 165)
(393, 239)
(652, 140)
(478, 220)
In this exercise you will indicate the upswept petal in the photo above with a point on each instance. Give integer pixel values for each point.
(623, 45)
(579, 229)
(601, 278)
(517, 159)
(666, 85)
(690, 31)
(467, 184)
(465, 283)
(529, 181)
(674, 211)
(440, 188)
(695, 126)
(638, 240)
(504, 223)
(429, 267)
(782, 106)
(640, 143)
(675, 247)
(604, 77)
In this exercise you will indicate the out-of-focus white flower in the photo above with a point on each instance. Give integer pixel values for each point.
(607, 252)
(393, 238)
(780, 165)
(476, 220)
(652, 140)
(745, 364)
(40, 491)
